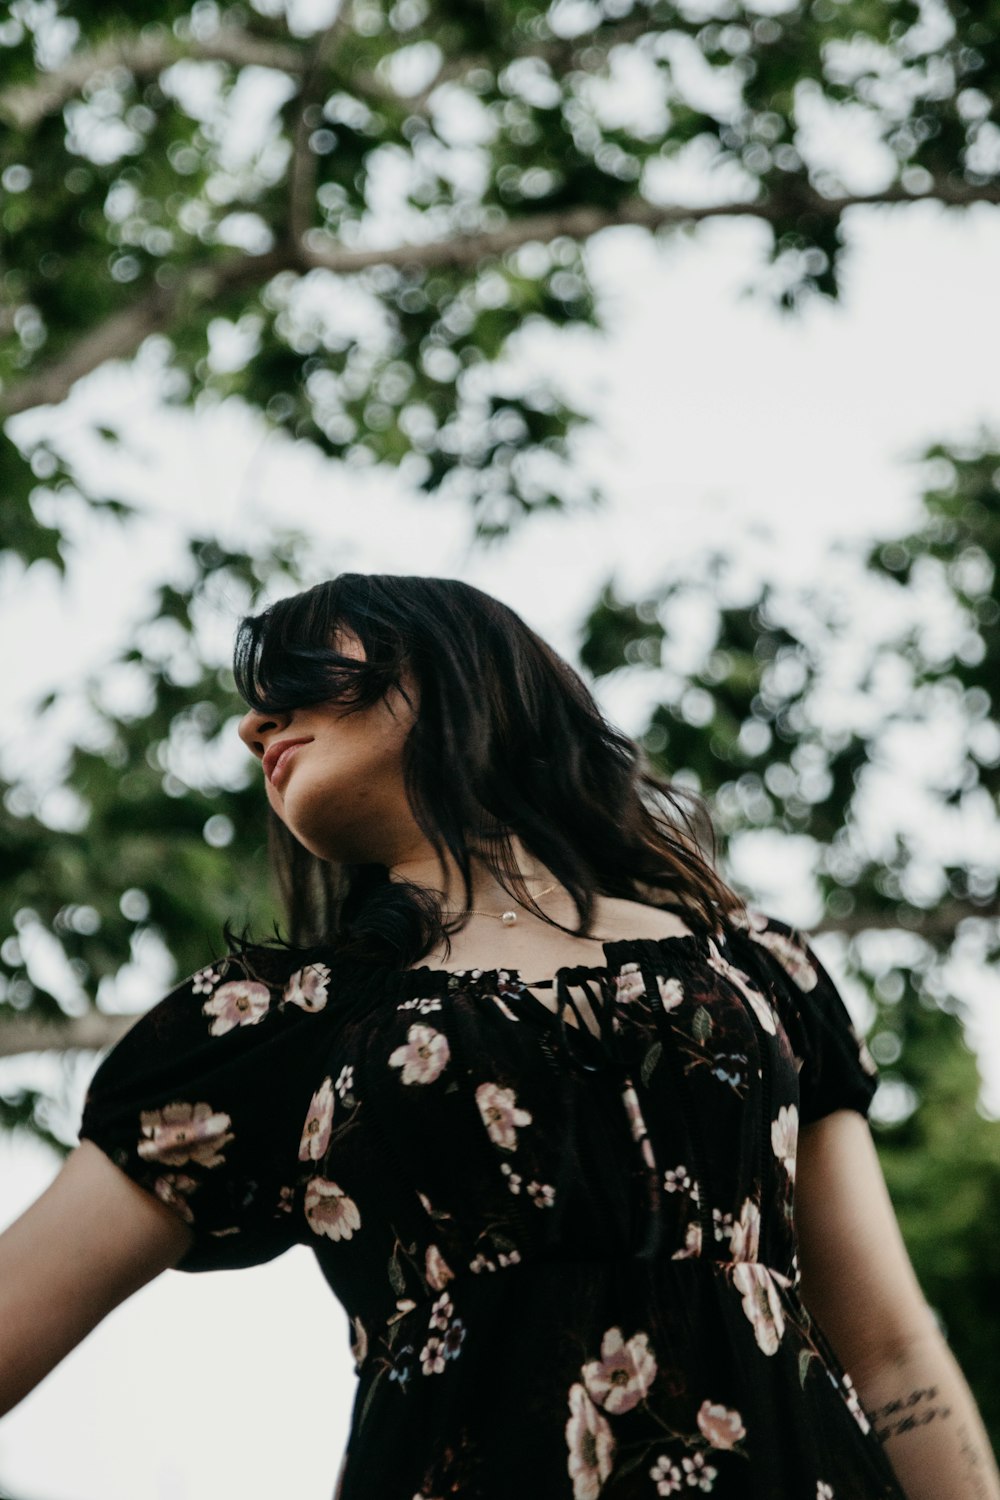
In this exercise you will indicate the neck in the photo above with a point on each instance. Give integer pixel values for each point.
(487, 892)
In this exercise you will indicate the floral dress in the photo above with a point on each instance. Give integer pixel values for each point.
(567, 1252)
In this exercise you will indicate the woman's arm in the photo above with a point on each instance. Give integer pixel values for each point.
(91, 1240)
(859, 1284)
(923, 1411)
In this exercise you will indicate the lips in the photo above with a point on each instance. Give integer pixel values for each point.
(276, 756)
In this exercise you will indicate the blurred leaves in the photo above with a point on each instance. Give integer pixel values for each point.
(357, 230)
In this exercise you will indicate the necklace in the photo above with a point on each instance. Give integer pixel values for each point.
(508, 918)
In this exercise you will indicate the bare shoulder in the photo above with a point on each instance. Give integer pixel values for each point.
(617, 918)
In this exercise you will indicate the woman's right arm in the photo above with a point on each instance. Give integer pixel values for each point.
(92, 1239)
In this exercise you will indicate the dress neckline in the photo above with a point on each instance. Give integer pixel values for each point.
(617, 951)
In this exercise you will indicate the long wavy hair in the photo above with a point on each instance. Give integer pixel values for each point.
(507, 741)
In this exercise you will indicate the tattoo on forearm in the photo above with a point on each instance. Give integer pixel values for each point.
(907, 1412)
(974, 1461)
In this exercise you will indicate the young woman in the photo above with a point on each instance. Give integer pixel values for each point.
(578, 1140)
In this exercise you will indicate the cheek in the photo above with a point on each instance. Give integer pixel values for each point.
(332, 781)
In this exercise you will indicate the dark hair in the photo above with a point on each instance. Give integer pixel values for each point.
(507, 740)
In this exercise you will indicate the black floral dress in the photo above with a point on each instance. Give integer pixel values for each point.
(568, 1259)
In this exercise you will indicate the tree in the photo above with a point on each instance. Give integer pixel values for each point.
(349, 228)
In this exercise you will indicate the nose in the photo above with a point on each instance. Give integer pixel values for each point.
(254, 726)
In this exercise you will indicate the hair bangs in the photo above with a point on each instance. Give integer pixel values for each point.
(284, 657)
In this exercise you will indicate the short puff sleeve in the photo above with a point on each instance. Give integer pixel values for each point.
(202, 1103)
(837, 1070)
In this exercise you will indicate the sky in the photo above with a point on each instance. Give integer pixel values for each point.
(718, 421)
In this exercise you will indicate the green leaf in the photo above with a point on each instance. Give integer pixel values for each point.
(702, 1024)
(650, 1060)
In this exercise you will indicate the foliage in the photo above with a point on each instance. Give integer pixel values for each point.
(352, 223)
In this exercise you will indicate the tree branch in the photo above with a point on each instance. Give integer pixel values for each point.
(121, 334)
(562, 54)
(938, 924)
(26, 104)
(117, 337)
(90, 1033)
(466, 250)
(302, 168)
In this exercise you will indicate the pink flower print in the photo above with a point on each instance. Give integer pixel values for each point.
(784, 1137)
(359, 1343)
(792, 958)
(591, 1445)
(204, 980)
(671, 992)
(722, 1224)
(744, 1241)
(624, 1373)
(345, 1080)
(854, 1405)
(482, 1262)
(722, 1426)
(422, 1056)
(172, 1188)
(629, 984)
(511, 1258)
(241, 1002)
(502, 1005)
(423, 1006)
(756, 1000)
(513, 1178)
(329, 1210)
(441, 1311)
(498, 1108)
(666, 1476)
(308, 987)
(319, 1121)
(761, 1303)
(436, 1268)
(697, 1472)
(433, 1356)
(676, 1179)
(184, 1132)
(692, 1242)
(637, 1124)
(824, 1491)
(286, 1197)
(542, 1194)
(404, 1305)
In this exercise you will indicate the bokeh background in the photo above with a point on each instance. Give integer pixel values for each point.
(672, 325)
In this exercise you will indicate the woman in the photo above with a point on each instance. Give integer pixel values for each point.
(559, 1208)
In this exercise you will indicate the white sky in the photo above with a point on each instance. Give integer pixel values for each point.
(719, 423)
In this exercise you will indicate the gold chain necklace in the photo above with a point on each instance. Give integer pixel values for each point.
(508, 918)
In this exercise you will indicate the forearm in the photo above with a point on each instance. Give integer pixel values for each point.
(927, 1420)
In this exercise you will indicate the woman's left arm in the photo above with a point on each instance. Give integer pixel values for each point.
(859, 1284)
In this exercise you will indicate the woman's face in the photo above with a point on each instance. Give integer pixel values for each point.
(341, 791)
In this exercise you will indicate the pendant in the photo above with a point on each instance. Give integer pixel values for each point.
(508, 918)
